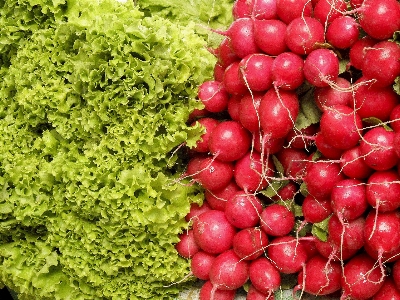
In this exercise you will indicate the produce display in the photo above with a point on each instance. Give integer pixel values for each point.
(300, 158)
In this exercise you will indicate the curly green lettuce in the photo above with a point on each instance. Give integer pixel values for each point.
(92, 109)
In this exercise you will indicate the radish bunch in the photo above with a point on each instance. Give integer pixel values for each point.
(300, 156)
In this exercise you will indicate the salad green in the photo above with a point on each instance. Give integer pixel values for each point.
(94, 100)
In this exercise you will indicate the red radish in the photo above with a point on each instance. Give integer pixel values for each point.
(266, 145)
(396, 273)
(321, 67)
(187, 246)
(229, 141)
(287, 254)
(341, 126)
(264, 276)
(234, 107)
(326, 11)
(250, 243)
(212, 232)
(217, 199)
(277, 220)
(252, 172)
(233, 82)
(340, 94)
(209, 124)
(343, 32)
(242, 9)
(228, 271)
(303, 138)
(353, 165)
(388, 291)
(316, 210)
(214, 174)
(278, 112)
(209, 292)
(270, 36)
(225, 53)
(320, 276)
(287, 71)
(382, 63)
(219, 72)
(264, 9)
(380, 19)
(293, 161)
(193, 167)
(395, 118)
(383, 190)
(309, 245)
(356, 3)
(325, 148)
(358, 51)
(197, 114)
(361, 279)
(287, 192)
(241, 35)
(321, 177)
(254, 294)
(348, 199)
(373, 101)
(349, 234)
(288, 10)
(213, 95)
(396, 145)
(249, 115)
(304, 34)
(243, 210)
(256, 71)
(333, 252)
(377, 149)
(196, 210)
(200, 264)
(381, 258)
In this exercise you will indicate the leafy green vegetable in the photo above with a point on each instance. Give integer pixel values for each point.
(92, 106)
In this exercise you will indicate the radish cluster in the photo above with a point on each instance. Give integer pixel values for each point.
(300, 156)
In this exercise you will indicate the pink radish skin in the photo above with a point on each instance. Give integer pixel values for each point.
(187, 246)
(193, 168)
(377, 149)
(293, 161)
(200, 264)
(277, 220)
(380, 19)
(395, 118)
(196, 210)
(287, 71)
(316, 210)
(304, 34)
(278, 112)
(321, 177)
(321, 67)
(287, 192)
(209, 292)
(265, 144)
(358, 50)
(225, 53)
(243, 210)
(343, 32)
(388, 291)
(214, 174)
(320, 276)
(249, 115)
(341, 127)
(233, 82)
(264, 276)
(219, 72)
(396, 273)
(256, 71)
(303, 138)
(264, 9)
(352, 164)
(361, 279)
(287, 254)
(234, 107)
(349, 234)
(269, 36)
(383, 190)
(252, 172)
(372, 101)
(228, 271)
(212, 232)
(213, 95)
(254, 294)
(326, 11)
(250, 243)
(348, 199)
(333, 252)
(381, 63)
(229, 141)
(209, 124)
(218, 199)
(298, 8)
(327, 97)
(327, 150)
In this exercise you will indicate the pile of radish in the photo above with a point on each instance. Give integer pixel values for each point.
(300, 157)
